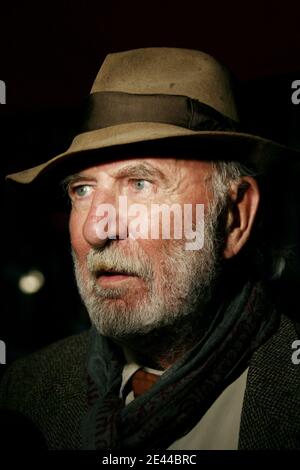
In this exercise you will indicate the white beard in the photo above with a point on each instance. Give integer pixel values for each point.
(180, 289)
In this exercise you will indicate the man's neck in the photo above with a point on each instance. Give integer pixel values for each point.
(161, 348)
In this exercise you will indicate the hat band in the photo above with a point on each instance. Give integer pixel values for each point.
(110, 108)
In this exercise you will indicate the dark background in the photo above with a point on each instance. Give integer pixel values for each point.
(50, 53)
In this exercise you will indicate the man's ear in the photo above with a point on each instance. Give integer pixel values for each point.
(243, 204)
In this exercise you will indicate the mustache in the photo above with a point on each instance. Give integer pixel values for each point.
(112, 259)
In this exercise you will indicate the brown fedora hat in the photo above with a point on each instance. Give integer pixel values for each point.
(160, 95)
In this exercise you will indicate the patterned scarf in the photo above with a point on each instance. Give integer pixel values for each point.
(182, 395)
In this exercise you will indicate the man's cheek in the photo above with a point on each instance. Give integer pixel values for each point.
(79, 250)
(78, 243)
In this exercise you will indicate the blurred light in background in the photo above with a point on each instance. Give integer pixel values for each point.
(31, 282)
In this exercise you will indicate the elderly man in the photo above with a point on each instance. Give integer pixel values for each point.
(186, 349)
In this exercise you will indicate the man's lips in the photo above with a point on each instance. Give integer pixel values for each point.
(107, 277)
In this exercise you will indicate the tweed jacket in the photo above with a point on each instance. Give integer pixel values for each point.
(50, 388)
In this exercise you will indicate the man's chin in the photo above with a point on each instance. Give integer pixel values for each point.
(120, 324)
(129, 290)
(124, 335)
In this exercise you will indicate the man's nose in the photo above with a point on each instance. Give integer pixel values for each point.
(102, 220)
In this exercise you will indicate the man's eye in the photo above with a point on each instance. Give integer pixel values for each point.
(80, 191)
(140, 184)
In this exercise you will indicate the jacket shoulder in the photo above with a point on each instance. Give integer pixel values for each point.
(48, 388)
(60, 364)
(271, 416)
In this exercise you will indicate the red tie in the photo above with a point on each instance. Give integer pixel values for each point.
(141, 381)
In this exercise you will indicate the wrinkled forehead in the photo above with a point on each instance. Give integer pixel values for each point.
(155, 165)
(166, 158)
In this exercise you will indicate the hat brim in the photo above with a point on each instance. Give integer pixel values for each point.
(244, 147)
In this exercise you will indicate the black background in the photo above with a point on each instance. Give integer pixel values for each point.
(50, 54)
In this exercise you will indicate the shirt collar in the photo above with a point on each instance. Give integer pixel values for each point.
(131, 366)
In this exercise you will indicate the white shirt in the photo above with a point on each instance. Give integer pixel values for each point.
(219, 428)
